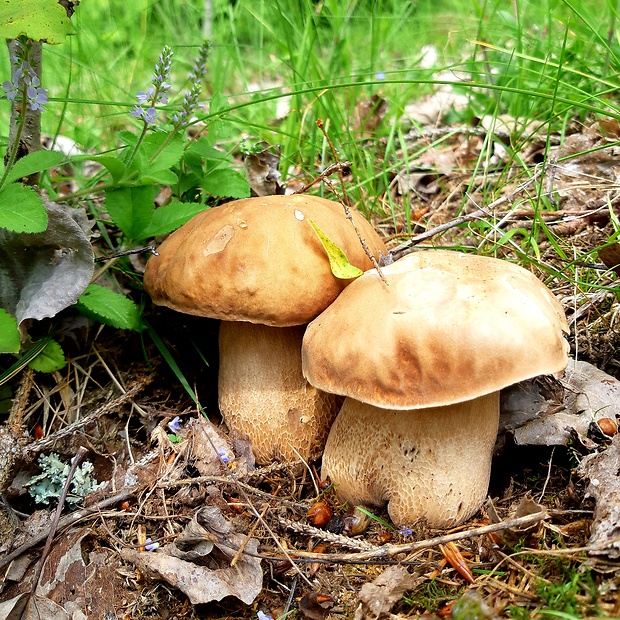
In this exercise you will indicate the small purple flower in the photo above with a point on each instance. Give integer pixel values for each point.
(405, 531)
(149, 545)
(380, 75)
(10, 89)
(175, 425)
(24, 74)
(37, 97)
(145, 97)
(223, 456)
(261, 615)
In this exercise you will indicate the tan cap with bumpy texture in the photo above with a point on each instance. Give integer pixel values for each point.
(449, 327)
(258, 260)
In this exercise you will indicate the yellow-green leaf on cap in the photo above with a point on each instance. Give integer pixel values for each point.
(338, 262)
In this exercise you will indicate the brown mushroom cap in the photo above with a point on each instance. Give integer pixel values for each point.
(257, 260)
(449, 327)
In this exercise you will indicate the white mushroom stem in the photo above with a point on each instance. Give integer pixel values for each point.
(430, 463)
(263, 394)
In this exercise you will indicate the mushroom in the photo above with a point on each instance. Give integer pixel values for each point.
(421, 362)
(258, 265)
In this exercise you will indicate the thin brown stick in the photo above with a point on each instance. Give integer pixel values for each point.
(68, 520)
(407, 247)
(48, 442)
(345, 204)
(75, 463)
(390, 551)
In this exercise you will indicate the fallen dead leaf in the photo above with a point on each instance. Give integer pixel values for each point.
(603, 471)
(211, 540)
(376, 599)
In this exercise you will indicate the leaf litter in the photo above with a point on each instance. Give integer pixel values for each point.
(237, 541)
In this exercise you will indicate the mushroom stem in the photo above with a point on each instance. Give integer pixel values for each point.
(263, 394)
(430, 463)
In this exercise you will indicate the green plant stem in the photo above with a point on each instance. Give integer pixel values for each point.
(18, 135)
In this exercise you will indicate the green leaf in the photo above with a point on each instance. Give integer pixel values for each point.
(52, 358)
(110, 308)
(338, 262)
(161, 177)
(226, 182)
(169, 156)
(9, 333)
(34, 162)
(37, 19)
(206, 151)
(131, 208)
(171, 216)
(113, 165)
(21, 209)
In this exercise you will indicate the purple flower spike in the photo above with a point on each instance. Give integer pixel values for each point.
(157, 92)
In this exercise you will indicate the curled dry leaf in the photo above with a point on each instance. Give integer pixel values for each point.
(545, 412)
(198, 563)
(602, 471)
(455, 558)
(376, 599)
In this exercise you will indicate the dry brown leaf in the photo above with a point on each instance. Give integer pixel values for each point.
(376, 599)
(603, 471)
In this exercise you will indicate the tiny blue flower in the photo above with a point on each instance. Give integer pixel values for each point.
(175, 424)
(380, 75)
(10, 89)
(37, 97)
(223, 456)
(405, 531)
(149, 545)
(145, 97)
(261, 615)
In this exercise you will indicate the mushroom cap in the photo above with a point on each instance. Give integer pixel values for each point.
(449, 327)
(258, 260)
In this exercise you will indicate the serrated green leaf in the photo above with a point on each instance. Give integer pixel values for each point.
(338, 262)
(225, 182)
(131, 208)
(170, 217)
(203, 149)
(112, 164)
(165, 159)
(9, 333)
(37, 19)
(34, 162)
(109, 308)
(52, 358)
(21, 209)
(161, 177)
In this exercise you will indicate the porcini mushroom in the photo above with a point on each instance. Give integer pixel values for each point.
(258, 265)
(421, 362)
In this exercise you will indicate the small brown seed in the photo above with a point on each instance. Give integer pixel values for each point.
(608, 426)
(319, 514)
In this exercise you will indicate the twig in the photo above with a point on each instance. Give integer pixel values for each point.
(48, 442)
(405, 248)
(337, 167)
(345, 204)
(75, 463)
(68, 520)
(389, 551)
